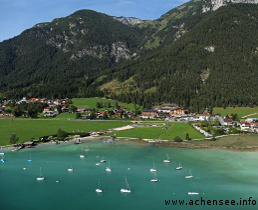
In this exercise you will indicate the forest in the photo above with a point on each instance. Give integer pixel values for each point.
(214, 63)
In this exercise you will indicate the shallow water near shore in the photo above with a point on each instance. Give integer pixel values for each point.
(218, 175)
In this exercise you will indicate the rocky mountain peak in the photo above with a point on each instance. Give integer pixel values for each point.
(129, 20)
(212, 5)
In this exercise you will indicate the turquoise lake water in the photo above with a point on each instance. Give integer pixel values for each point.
(218, 175)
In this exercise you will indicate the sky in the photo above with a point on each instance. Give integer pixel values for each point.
(19, 15)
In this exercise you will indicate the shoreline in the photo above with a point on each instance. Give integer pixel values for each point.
(240, 143)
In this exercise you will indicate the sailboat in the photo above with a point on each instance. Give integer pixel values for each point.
(127, 189)
(179, 167)
(30, 160)
(108, 168)
(193, 192)
(190, 175)
(153, 169)
(98, 190)
(155, 179)
(167, 160)
(82, 156)
(103, 160)
(2, 159)
(40, 177)
(70, 169)
(87, 149)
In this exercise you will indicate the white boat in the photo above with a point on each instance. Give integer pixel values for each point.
(98, 164)
(82, 156)
(155, 179)
(98, 190)
(70, 169)
(87, 149)
(108, 168)
(167, 160)
(127, 189)
(40, 177)
(179, 167)
(153, 169)
(190, 175)
(103, 160)
(193, 192)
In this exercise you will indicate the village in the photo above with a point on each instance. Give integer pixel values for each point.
(52, 108)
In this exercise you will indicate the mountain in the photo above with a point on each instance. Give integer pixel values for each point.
(201, 54)
(130, 20)
(59, 53)
(213, 64)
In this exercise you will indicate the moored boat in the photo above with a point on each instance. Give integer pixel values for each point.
(127, 189)
(40, 178)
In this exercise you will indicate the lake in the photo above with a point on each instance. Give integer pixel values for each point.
(219, 175)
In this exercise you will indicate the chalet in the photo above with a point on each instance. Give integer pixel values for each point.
(178, 111)
(33, 99)
(4, 105)
(244, 125)
(43, 100)
(251, 120)
(80, 110)
(131, 114)
(203, 117)
(87, 110)
(228, 122)
(164, 110)
(104, 111)
(51, 104)
(122, 107)
(57, 102)
(254, 127)
(23, 100)
(64, 109)
(149, 113)
(49, 113)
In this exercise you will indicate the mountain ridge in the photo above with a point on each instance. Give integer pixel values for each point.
(83, 53)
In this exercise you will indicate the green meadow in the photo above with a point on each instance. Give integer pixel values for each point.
(26, 129)
(91, 103)
(162, 133)
(240, 111)
(66, 116)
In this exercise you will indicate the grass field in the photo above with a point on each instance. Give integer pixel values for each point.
(91, 103)
(231, 142)
(161, 133)
(181, 129)
(26, 129)
(66, 116)
(240, 111)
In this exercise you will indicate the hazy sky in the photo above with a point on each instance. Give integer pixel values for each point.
(19, 15)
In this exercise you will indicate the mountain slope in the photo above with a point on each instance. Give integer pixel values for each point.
(80, 45)
(215, 63)
(201, 54)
